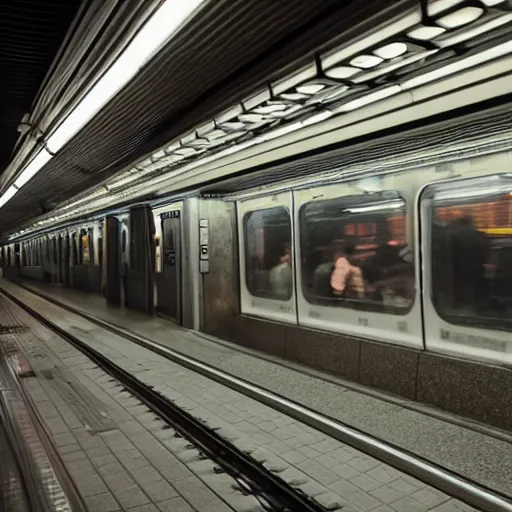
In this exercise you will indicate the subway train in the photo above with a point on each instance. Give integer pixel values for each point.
(360, 261)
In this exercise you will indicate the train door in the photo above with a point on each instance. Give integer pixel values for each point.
(169, 280)
(66, 257)
(60, 257)
(113, 262)
(17, 255)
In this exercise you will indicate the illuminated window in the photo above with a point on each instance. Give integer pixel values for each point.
(471, 251)
(352, 249)
(268, 258)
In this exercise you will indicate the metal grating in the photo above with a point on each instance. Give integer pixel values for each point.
(31, 32)
(218, 59)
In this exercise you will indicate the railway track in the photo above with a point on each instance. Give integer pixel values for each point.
(252, 477)
(273, 493)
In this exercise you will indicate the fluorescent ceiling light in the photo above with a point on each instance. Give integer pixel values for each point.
(287, 112)
(289, 82)
(8, 195)
(186, 151)
(232, 126)
(474, 60)
(153, 35)
(391, 66)
(215, 134)
(33, 168)
(476, 31)
(461, 17)
(426, 33)
(310, 89)
(366, 61)
(251, 118)
(294, 96)
(437, 6)
(269, 109)
(391, 51)
(342, 72)
(331, 94)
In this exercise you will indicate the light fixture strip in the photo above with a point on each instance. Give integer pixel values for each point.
(266, 107)
(156, 32)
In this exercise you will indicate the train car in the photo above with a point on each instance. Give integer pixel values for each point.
(382, 262)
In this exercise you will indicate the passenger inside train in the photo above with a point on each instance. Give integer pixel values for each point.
(471, 263)
(355, 260)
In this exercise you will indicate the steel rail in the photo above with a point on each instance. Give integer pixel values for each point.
(252, 477)
(447, 481)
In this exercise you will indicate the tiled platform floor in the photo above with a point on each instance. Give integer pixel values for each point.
(461, 449)
(321, 466)
(119, 455)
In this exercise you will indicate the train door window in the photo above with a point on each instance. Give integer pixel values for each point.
(471, 251)
(158, 249)
(354, 253)
(85, 249)
(268, 265)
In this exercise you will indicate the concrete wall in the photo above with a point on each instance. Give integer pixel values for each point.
(478, 391)
(220, 284)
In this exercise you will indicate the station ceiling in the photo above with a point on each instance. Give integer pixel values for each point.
(31, 33)
(218, 58)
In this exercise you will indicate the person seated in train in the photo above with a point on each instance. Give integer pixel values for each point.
(322, 278)
(346, 278)
(390, 275)
(280, 276)
(470, 253)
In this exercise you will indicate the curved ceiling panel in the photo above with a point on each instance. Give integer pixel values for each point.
(31, 32)
(218, 58)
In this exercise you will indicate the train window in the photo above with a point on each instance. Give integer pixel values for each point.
(85, 249)
(268, 265)
(354, 253)
(471, 251)
(158, 251)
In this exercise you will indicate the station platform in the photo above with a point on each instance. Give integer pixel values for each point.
(114, 450)
(358, 481)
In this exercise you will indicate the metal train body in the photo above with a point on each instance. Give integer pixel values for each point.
(417, 179)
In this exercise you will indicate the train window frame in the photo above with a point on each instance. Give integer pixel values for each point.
(354, 304)
(427, 209)
(245, 219)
